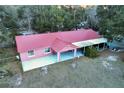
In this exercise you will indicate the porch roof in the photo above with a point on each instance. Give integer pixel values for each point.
(90, 42)
(61, 46)
(47, 60)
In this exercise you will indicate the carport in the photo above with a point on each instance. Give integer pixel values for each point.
(86, 43)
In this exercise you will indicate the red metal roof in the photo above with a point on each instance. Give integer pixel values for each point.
(59, 45)
(57, 40)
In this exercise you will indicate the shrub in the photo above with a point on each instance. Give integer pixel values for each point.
(91, 52)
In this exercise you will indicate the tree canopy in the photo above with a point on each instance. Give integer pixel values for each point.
(14, 19)
(111, 20)
(50, 18)
(108, 20)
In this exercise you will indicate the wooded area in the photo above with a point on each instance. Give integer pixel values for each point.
(108, 20)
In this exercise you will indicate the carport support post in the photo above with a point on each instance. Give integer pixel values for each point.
(104, 46)
(84, 50)
(75, 52)
(98, 47)
(58, 56)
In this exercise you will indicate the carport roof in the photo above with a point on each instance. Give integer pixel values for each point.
(90, 42)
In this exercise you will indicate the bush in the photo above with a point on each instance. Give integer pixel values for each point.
(91, 52)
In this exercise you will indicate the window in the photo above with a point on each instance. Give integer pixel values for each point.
(47, 50)
(31, 53)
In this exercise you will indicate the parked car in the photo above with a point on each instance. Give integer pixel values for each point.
(116, 46)
(117, 49)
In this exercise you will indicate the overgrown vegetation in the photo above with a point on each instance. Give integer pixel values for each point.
(7, 55)
(91, 52)
(111, 20)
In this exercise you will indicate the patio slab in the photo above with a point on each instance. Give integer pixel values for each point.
(47, 60)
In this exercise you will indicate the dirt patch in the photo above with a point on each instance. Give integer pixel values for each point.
(108, 53)
(14, 68)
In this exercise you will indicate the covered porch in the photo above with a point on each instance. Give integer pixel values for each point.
(93, 42)
(50, 59)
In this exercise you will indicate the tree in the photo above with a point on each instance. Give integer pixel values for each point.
(2, 30)
(8, 25)
(25, 17)
(56, 18)
(111, 20)
(39, 18)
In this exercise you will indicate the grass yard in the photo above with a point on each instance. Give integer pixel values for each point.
(7, 52)
(10, 64)
(7, 55)
(88, 73)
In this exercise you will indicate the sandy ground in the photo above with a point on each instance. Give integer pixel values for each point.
(87, 73)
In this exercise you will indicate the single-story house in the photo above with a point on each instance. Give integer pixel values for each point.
(40, 45)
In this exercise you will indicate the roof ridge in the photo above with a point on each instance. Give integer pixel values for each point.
(62, 40)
